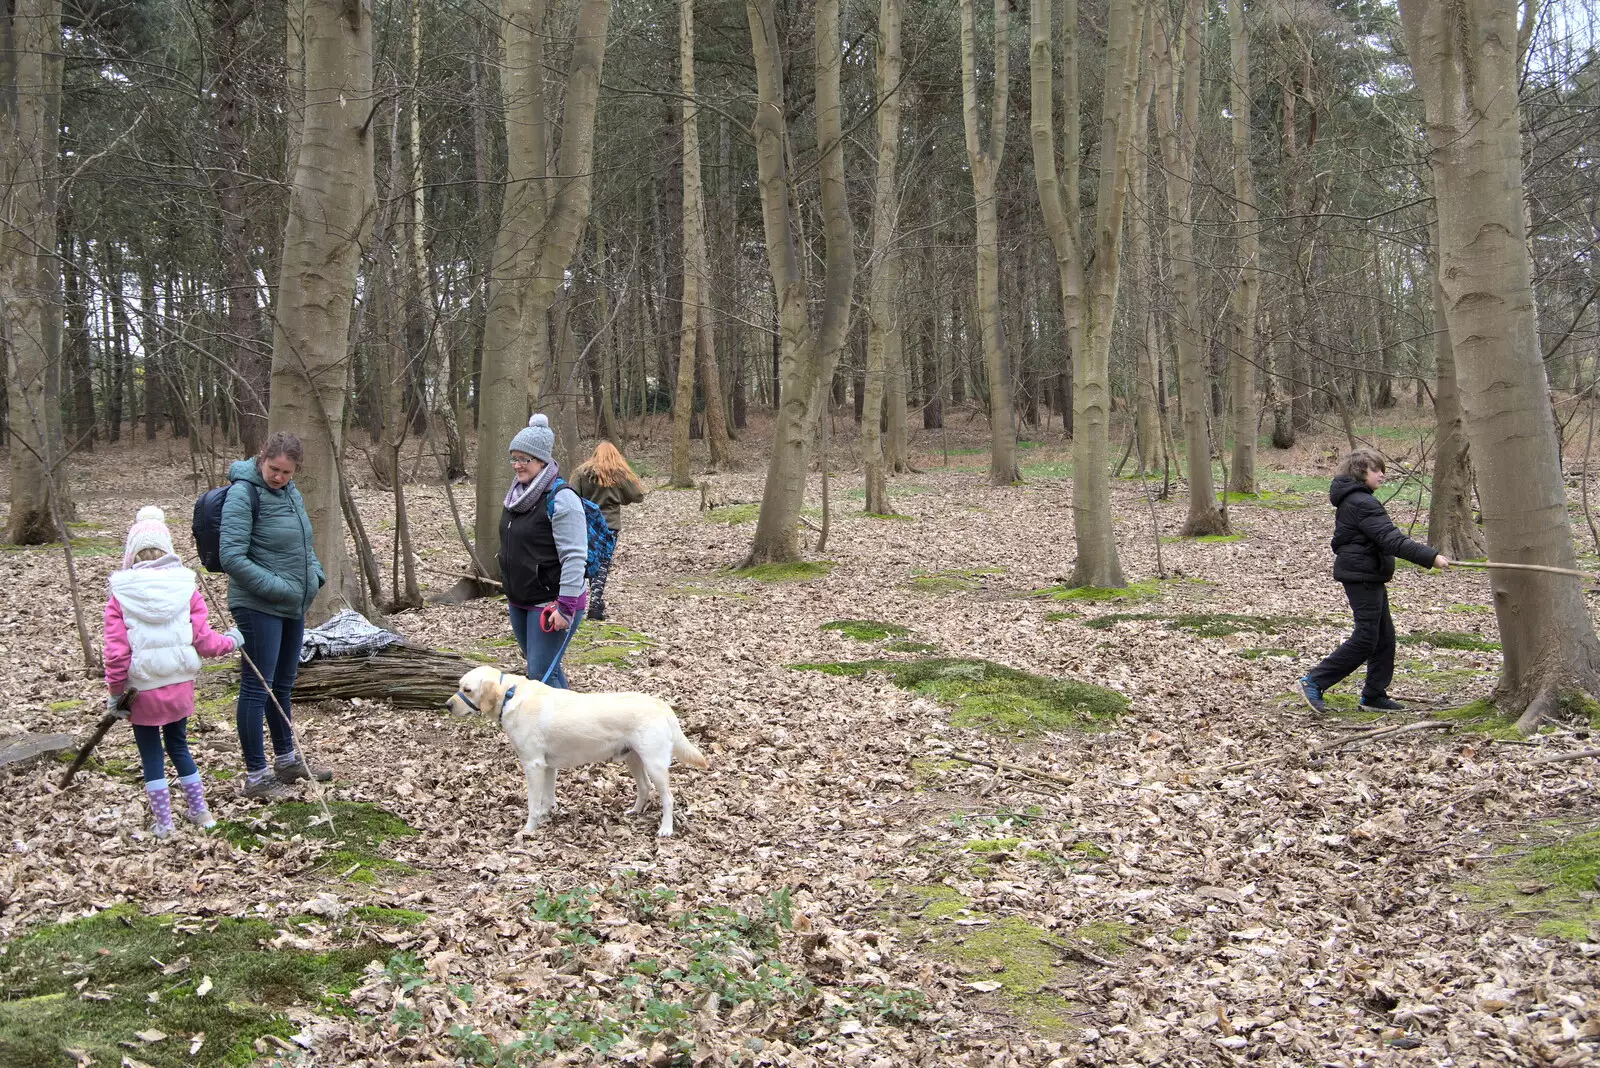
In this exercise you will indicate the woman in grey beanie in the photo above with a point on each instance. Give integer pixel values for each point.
(544, 544)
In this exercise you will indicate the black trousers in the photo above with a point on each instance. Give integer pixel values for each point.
(1370, 643)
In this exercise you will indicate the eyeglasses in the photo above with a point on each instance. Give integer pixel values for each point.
(523, 463)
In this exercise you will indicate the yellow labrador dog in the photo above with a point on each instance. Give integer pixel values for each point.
(552, 729)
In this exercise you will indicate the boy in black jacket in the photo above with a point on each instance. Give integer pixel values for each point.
(1365, 543)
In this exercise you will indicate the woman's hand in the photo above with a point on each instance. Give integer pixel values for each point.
(1441, 560)
(551, 619)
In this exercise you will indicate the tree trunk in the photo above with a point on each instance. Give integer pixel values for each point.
(79, 366)
(1088, 297)
(985, 163)
(330, 217)
(1465, 59)
(1177, 121)
(694, 256)
(30, 312)
(539, 229)
(1247, 293)
(807, 357)
(242, 347)
(883, 311)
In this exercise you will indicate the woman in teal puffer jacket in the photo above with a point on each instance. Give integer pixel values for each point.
(273, 576)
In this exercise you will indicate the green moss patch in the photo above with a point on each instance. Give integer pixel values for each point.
(1023, 960)
(606, 643)
(1059, 469)
(947, 582)
(1203, 539)
(800, 571)
(995, 698)
(867, 630)
(911, 647)
(1450, 639)
(96, 985)
(389, 917)
(691, 590)
(1140, 590)
(1480, 717)
(1552, 887)
(1200, 624)
(733, 514)
(85, 546)
(358, 830)
(1264, 654)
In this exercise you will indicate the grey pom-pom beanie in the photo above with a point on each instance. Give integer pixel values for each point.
(536, 439)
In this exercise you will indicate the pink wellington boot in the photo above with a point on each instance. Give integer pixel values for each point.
(194, 797)
(160, 799)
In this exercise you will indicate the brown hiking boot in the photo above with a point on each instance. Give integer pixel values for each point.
(299, 771)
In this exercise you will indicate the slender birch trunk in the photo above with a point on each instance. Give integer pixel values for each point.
(1465, 56)
(1247, 293)
(883, 310)
(806, 358)
(985, 163)
(1088, 297)
(1177, 122)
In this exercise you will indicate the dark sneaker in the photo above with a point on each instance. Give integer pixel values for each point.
(1312, 695)
(268, 789)
(299, 771)
(1382, 704)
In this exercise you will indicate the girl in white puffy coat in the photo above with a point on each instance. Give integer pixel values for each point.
(156, 633)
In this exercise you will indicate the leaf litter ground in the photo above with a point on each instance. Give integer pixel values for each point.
(842, 889)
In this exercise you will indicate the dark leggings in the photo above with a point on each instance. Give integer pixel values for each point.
(597, 584)
(150, 740)
(1371, 642)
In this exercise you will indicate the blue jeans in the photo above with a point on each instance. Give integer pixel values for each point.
(149, 740)
(273, 644)
(540, 649)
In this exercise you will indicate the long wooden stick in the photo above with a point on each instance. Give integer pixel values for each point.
(1495, 565)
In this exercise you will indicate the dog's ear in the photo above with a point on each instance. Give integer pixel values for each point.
(489, 691)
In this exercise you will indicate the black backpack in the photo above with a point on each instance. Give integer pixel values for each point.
(207, 525)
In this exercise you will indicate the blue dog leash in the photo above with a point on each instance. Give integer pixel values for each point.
(571, 626)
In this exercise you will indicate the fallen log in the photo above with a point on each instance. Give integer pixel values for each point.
(410, 676)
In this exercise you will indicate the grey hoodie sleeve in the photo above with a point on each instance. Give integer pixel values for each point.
(572, 540)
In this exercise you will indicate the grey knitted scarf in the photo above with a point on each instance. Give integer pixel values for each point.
(520, 497)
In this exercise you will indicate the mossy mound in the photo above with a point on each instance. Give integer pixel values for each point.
(358, 830)
(1451, 639)
(800, 571)
(733, 514)
(911, 647)
(145, 975)
(867, 630)
(992, 697)
(1553, 885)
(606, 643)
(946, 582)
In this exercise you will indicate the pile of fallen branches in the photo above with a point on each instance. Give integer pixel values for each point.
(411, 676)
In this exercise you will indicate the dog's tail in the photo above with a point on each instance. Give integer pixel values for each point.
(684, 750)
